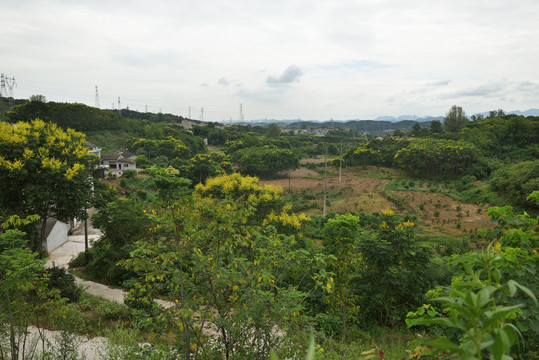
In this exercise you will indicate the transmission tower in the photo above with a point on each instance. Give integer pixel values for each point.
(241, 112)
(119, 107)
(96, 98)
(201, 114)
(10, 84)
(3, 91)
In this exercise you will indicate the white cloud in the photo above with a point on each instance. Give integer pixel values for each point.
(439, 83)
(223, 81)
(290, 75)
(351, 56)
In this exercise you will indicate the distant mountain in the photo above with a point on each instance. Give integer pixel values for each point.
(369, 126)
(408, 117)
(529, 112)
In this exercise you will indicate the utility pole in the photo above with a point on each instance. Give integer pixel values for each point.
(340, 165)
(96, 98)
(86, 234)
(325, 182)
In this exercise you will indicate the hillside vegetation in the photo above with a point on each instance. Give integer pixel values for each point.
(269, 234)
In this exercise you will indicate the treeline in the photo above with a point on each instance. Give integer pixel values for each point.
(79, 117)
(75, 116)
(373, 126)
(502, 149)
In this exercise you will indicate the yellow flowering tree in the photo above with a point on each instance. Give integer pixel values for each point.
(44, 170)
(270, 207)
(228, 275)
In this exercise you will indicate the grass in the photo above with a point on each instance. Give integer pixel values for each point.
(443, 244)
(90, 315)
(107, 140)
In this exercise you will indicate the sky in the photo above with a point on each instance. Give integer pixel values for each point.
(279, 59)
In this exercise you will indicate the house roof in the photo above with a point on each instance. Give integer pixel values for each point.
(110, 156)
(128, 154)
(91, 146)
(126, 161)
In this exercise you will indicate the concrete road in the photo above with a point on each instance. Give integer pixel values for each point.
(62, 255)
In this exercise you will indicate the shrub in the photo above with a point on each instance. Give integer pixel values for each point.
(81, 260)
(129, 174)
(110, 310)
(60, 279)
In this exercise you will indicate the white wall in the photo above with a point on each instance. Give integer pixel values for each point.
(57, 237)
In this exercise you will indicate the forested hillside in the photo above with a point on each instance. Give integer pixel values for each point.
(264, 237)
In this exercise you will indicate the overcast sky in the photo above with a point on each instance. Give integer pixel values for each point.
(281, 59)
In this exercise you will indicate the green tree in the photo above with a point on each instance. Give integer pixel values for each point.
(266, 160)
(455, 119)
(436, 157)
(516, 181)
(396, 270)
(40, 98)
(223, 272)
(123, 223)
(378, 152)
(142, 162)
(23, 289)
(274, 130)
(203, 166)
(418, 131)
(170, 148)
(435, 127)
(341, 237)
(44, 170)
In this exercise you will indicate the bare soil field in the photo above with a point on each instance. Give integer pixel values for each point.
(440, 213)
(313, 161)
(363, 189)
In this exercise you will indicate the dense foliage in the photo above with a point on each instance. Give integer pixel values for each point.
(44, 170)
(242, 272)
(265, 160)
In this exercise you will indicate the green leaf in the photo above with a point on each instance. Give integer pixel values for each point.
(511, 284)
(527, 291)
(500, 345)
(445, 344)
(310, 351)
